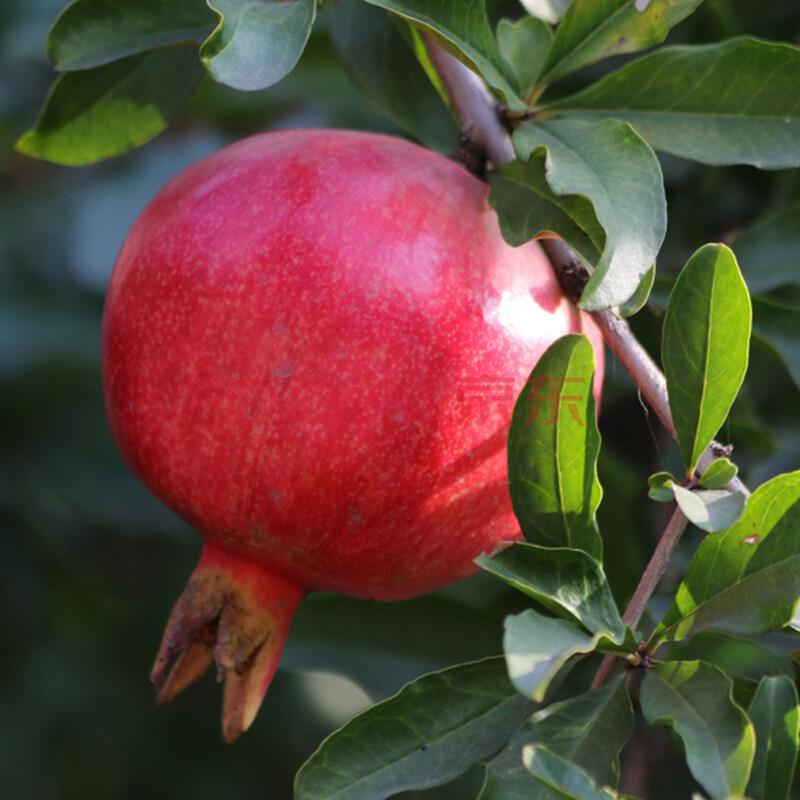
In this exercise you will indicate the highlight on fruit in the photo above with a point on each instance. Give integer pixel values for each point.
(292, 338)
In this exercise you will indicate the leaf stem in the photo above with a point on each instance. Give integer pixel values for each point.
(647, 585)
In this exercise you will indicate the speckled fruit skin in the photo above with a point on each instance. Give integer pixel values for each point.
(311, 345)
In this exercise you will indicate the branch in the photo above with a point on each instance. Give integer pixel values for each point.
(647, 585)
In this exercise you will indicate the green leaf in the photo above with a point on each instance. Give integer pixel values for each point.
(710, 510)
(537, 647)
(618, 172)
(553, 445)
(383, 68)
(727, 103)
(591, 31)
(109, 110)
(705, 346)
(463, 29)
(768, 251)
(779, 325)
(89, 33)
(568, 582)
(427, 734)
(660, 487)
(527, 208)
(257, 42)
(747, 579)
(775, 715)
(561, 776)
(524, 44)
(719, 473)
(637, 300)
(694, 699)
(589, 731)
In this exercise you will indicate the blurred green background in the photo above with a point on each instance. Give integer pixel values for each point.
(90, 563)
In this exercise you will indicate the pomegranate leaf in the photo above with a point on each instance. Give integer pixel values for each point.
(462, 28)
(382, 66)
(89, 33)
(589, 731)
(568, 582)
(705, 346)
(553, 446)
(694, 699)
(718, 474)
(611, 165)
(775, 715)
(747, 579)
(429, 733)
(257, 42)
(711, 510)
(637, 300)
(537, 647)
(106, 111)
(524, 44)
(591, 31)
(562, 777)
(660, 487)
(742, 107)
(527, 208)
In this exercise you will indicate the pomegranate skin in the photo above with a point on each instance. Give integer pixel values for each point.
(311, 345)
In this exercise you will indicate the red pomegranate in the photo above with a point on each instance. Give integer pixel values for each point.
(311, 345)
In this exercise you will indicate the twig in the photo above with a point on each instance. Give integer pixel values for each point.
(647, 585)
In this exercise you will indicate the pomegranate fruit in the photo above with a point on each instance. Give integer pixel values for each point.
(311, 345)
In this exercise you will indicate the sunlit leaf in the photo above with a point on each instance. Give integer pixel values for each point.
(705, 346)
(552, 449)
(107, 111)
